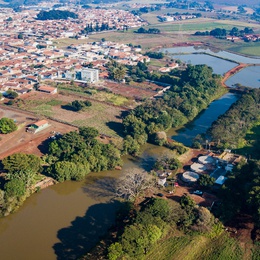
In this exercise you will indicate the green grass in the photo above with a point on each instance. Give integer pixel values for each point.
(45, 110)
(197, 247)
(192, 25)
(256, 252)
(252, 49)
(54, 102)
(169, 247)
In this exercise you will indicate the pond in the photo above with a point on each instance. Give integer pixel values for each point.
(218, 53)
(248, 77)
(218, 65)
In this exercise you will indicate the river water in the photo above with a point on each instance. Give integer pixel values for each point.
(65, 220)
(202, 122)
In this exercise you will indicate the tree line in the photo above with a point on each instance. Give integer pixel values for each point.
(230, 128)
(70, 157)
(55, 15)
(149, 31)
(197, 87)
(220, 32)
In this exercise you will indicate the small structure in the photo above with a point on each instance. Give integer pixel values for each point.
(38, 126)
(220, 180)
(189, 176)
(48, 89)
(198, 167)
(206, 159)
(162, 175)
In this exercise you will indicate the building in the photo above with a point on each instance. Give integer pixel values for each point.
(48, 89)
(38, 126)
(88, 75)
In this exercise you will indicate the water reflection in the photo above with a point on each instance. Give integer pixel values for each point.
(248, 77)
(218, 53)
(84, 232)
(204, 120)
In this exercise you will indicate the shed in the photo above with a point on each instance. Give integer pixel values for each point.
(48, 89)
(38, 126)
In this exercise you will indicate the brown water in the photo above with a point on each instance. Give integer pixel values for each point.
(65, 220)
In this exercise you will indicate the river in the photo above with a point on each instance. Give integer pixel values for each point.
(202, 122)
(65, 220)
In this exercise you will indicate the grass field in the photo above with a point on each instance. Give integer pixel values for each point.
(104, 117)
(252, 49)
(197, 247)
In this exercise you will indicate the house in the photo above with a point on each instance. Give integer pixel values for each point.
(48, 89)
(38, 126)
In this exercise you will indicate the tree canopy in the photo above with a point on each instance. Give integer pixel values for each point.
(56, 15)
(7, 125)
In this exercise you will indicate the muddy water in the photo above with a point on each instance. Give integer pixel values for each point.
(65, 220)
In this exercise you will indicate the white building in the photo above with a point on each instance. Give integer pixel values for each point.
(88, 75)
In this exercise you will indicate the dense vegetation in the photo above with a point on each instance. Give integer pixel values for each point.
(71, 157)
(155, 55)
(230, 129)
(154, 221)
(7, 125)
(56, 15)
(83, 153)
(149, 31)
(240, 194)
(21, 173)
(96, 28)
(220, 32)
(197, 87)
(78, 105)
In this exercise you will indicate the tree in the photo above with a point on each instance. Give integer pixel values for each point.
(15, 188)
(7, 125)
(133, 184)
(22, 162)
(65, 170)
(11, 94)
(20, 36)
(206, 181)
(130, 146)
(28, 177)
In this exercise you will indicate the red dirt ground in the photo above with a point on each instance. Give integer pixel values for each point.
(22, 141)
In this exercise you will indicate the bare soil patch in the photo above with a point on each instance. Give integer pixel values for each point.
(22, 141)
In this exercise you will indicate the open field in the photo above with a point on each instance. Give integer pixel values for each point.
(22, 141)
(99, 115)
(197, 247)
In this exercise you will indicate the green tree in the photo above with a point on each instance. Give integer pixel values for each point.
(7, 125)
(130, 146)
(115, 251)
(65, 170)
(11, 94)
(15, 188)
(28, 177)
(206, 181)
(20, 162)
(88, 133)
